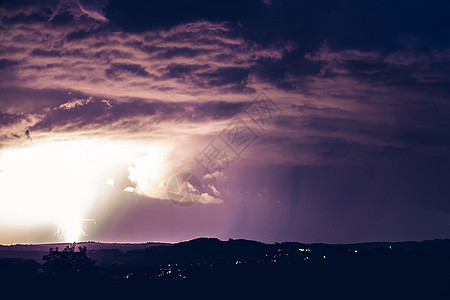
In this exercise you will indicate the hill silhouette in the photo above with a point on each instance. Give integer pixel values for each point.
(208, 265)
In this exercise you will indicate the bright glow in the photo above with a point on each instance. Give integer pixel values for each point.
(146, 172)
(58, 181)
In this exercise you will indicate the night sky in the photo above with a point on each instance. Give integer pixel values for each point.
(310, 121)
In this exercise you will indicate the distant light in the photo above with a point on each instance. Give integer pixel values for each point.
(356, 251)
(324, 257)
(129, 189)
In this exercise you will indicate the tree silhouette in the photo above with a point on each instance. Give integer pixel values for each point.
(68, 261)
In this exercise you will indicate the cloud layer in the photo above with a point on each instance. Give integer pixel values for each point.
(357, 85)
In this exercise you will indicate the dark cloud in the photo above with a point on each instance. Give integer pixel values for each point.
(8, 119)
(89, 52)
(220, 109)
(349, 23)
(30, 101)
(181, 71)
(224, 76)
(6, 63)
(76, 116)
(83, 33)
(140, 16)
(293, 64)
(116, 69)
(48, 53)
(63, 19)
(79, 114)
(240, 88)
(181, 52)
(109, 55)
(27, 19)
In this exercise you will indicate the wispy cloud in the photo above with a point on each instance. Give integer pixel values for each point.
(190, 79)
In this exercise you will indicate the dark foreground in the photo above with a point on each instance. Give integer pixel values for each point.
(236, 268)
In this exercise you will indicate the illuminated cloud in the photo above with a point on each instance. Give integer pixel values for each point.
(77, 10)
(214, 175)
(206, 198)
(214, 190)
(74, 103)
(129, 189)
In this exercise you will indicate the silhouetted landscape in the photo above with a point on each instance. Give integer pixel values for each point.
(203, 265)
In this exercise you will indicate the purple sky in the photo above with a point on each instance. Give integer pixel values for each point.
(121, 96)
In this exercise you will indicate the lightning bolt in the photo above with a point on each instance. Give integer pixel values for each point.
(60, 232)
